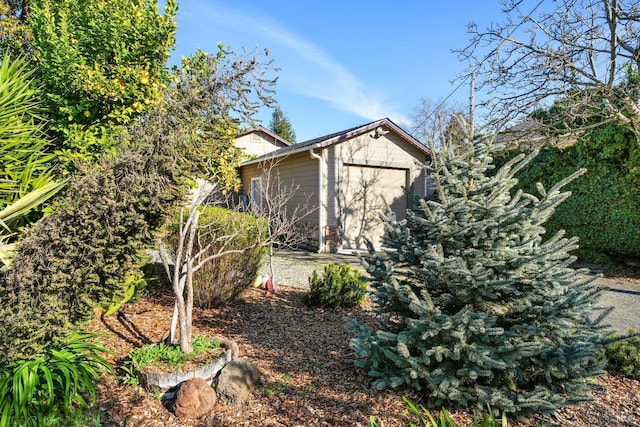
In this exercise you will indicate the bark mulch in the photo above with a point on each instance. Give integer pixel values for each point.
(308, 375)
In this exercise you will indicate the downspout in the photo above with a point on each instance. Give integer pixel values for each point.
(320, 204)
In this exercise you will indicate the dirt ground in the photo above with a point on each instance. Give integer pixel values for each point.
(308, 376)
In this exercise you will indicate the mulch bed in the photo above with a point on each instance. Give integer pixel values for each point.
(308, 375)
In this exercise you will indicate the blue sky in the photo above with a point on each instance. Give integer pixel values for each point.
(343, 63)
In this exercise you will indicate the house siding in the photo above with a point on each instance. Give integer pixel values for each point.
(258, 143)
(299, 170)
(363, 169)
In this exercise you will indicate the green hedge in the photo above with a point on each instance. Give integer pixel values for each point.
(223, 279)
(603, 210)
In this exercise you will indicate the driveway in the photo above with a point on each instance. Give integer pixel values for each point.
(293, 268)
(624, 296)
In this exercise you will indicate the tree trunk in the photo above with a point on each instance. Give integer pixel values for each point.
(183, 277)
(273, 280)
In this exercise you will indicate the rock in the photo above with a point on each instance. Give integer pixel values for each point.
(194, 399)
(237, 380)
(231, 345)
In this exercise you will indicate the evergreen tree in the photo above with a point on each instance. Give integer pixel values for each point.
(281, 125)
(476, 307)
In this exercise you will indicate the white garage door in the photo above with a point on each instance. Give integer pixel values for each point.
(366, 192)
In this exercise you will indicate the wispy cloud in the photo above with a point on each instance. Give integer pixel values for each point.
(305, 68)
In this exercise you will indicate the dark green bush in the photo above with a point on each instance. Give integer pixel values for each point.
(603, 209)
(41, 391)
(623, 357)
(80, 257)
(340, 286)
(223, 279)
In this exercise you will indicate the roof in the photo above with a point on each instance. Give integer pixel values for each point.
(341, 136)
(530, 133)
(272, 134)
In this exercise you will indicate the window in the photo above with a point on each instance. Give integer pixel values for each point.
(257, 192)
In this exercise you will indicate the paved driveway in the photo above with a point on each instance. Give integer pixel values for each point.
(292, 268)
(624, 297)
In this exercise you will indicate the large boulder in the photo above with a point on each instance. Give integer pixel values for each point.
(237, 381)
(194, 399)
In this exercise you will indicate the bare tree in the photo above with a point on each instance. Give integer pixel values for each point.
(285, 216)
(583, 52)
(430, 119)
(191, 252)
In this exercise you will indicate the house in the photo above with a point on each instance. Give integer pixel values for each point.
(259, 141)
(350, 176)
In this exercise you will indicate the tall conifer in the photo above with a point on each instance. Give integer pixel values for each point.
(477, 305)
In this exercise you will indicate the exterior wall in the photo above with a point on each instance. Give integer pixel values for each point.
(381, 161)
(258, 143)
(298, 170)
(389, 158)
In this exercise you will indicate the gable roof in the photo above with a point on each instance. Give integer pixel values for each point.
(341, 136)
(263, 129)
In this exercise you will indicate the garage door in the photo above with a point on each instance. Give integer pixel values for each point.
(366, 192)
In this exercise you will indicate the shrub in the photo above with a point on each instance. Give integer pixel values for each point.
(623, 357)
(224, 278)
(340, 286)
(81, 256)
(37, 392)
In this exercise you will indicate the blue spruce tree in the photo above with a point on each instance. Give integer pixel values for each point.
(477, 306)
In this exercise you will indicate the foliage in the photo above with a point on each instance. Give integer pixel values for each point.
(80, 257)
(603, 209)
(25, 169)
(132, 285)
(425, 419)
(281, 125)
(100, 63)
(212, 93)
(224, 278)
(623, 356)
(476, 308)
(40, 390)
(585, 52)
(339, 286)
(15, 37)
(170, 356)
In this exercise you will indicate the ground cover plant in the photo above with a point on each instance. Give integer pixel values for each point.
(46, 389)
(623, 356)
(169, 357)
(478, 306)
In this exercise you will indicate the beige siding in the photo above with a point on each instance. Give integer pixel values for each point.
(257, 143)
(300, 171)
(378, 167)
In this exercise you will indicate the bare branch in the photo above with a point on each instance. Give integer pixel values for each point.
(585, 52)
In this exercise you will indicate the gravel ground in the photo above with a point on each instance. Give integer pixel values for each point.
(293, 268)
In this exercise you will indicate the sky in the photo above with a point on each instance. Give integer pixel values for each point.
(343, 63)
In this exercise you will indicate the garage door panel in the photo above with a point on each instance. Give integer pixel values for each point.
(366, 192)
